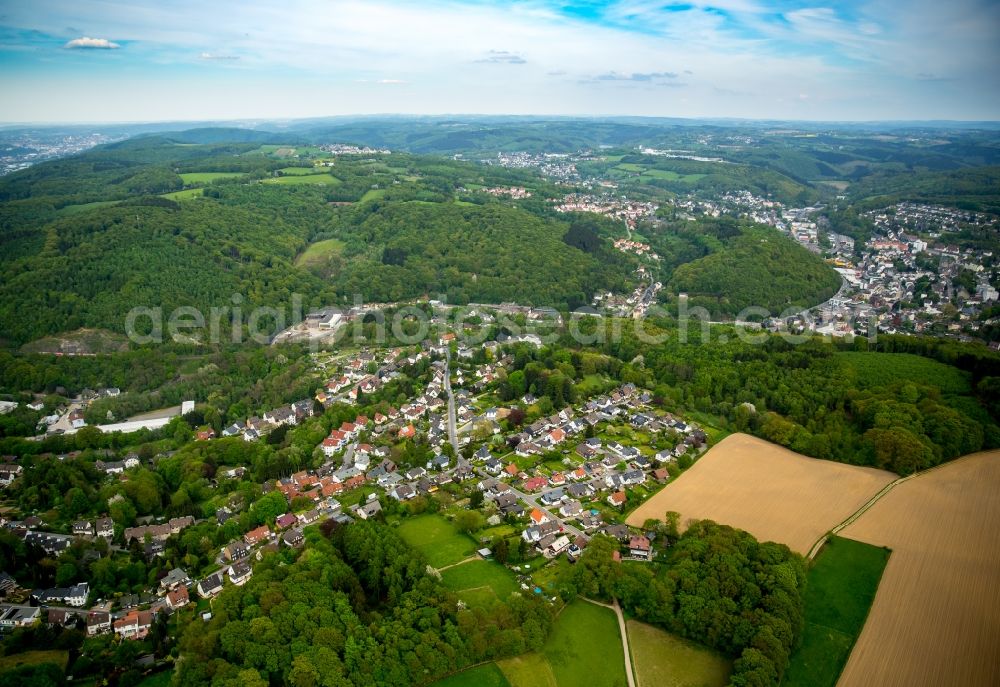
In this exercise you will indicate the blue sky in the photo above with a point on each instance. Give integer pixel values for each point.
(110, 60)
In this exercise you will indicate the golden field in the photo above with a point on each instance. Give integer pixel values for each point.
(773, 493)
(936, 617)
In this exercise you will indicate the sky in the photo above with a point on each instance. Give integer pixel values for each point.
(114, 61)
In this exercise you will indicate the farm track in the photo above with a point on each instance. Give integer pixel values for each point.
(621, 628)
(936, 617)
(767, 490)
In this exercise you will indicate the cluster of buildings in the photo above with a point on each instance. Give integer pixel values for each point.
(615, 207)
(636, 248)
(558, 166)
(347, 149)
(22, 149)
(513, 192)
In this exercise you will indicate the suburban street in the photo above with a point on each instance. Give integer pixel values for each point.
(452, 431)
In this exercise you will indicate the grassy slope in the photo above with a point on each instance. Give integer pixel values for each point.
(762, 268)
(488, 675)
(585, 647)
(663, 660)
(478, 574)
(33, 658)
(319, 252)
(437, 539)
(881, 369)
(839, 592)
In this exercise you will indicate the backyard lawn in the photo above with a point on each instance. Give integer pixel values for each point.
(488, 675)
(664, 660)
(477, 575)
(584, 647)
(437, 539)
(840, 588)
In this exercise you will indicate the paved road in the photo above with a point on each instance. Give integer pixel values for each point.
(621, 627)
(452, 430)
(533, 502)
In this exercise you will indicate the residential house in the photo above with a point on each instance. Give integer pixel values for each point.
(256, 536)
(19, 616)
(535, 483)
(553, 496)
(235, 551)
(71, 596)
(105, 527)
(556, 546)
(285, 521)
(178, 598)
(134, 625)
(210, 586)
(98, 623)
(639, 547)
(539, 517)
(369, 510)
(240, 572)
(571, 509)
(83, 528)
(617, 499)
(173, 579)
(293, 538)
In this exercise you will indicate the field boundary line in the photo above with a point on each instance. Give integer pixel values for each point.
(853, 517)
(624, 633)
(464, 560)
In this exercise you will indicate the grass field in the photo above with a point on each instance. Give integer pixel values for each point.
(161, 679)
(584, 647)
(298, 171)
(936, 616)
(841, 586)
(323, 179)
(34, 658)
(319, 252)
(528, 670)
(373, 194)
(83, 207)
(671, 175)
(881, 369)
(664, 660)
(769, 491)
(488, 675)
(193, 178)
(437, 539)
(186, 194)
(475, 575)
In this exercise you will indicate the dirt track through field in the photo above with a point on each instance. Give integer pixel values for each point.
(769, 491)
(936, 617)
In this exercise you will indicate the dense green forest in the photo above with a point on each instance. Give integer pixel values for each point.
(356, 607)
(89, 238)
(852, 402)
(759, 268)
(717, 586)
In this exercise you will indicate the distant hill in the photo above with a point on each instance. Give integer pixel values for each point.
(761, 268)
(159, 222)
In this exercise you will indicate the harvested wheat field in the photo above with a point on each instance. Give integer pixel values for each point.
(936, 616)
(771, 492)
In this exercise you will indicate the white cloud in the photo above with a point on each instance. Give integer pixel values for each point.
(215, 56)
(391, 82)
(502, 57)
(857, 64)
(91, 44)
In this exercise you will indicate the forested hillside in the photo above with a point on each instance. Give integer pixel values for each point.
(760, 268)
(155, 222)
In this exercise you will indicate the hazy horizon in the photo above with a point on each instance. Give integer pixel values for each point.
(792, 60)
